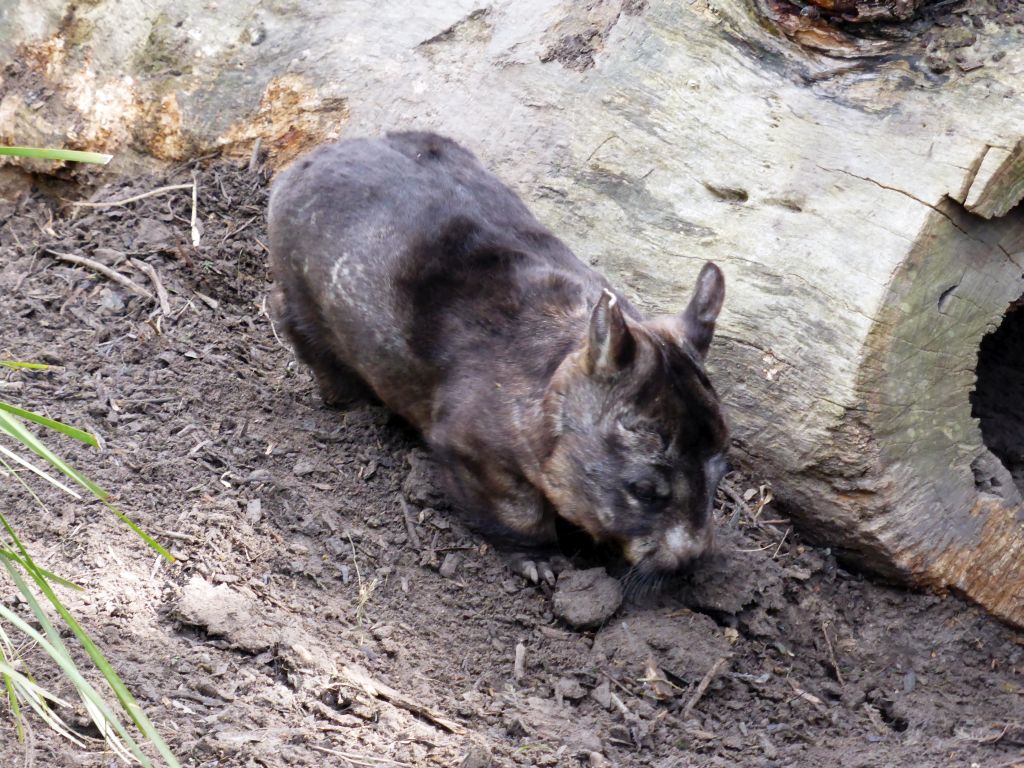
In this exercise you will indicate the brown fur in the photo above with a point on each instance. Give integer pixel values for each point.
(405, 270)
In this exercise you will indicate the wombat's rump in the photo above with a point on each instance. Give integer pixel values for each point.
(406, 271)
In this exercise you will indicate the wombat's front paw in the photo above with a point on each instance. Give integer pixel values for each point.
(536, 567)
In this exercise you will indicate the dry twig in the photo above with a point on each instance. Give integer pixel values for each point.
(364, 760)
(988, 736)
(519, 666)
(104, 270)
(254, 158)
(781, 542)
(738, 502)
(810, 698)
(702, 686)
(410, 524)
(151, 273)
(832, 653)
(195, 195)
(133, 198)
(874, 718)
(361, 679)
(211, 303)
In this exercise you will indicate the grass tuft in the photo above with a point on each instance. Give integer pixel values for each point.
(67, 155)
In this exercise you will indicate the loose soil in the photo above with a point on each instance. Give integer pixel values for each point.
(327, 608)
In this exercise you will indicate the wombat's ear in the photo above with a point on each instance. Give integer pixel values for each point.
(699, 317)
(610, 344)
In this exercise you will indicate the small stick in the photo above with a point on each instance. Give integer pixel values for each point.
(618, 685)
(355, 759)
(27, 272)
(104, 270)
(410, 528)
(832, 653)
(360, 678)
(134, 198)
(211, 303)
(234, 232)
(808, 697)
(990, 738)
(266, 314)
(739, 503)
(781, 542)
(874, 719)
(619, 705)
(757, 549)
(254, 158)
(702, 686)
(519, 667)
(195, 193)
(161, 292)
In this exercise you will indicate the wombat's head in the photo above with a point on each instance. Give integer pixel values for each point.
(638, 435)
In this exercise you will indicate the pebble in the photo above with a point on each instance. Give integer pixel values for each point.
(303, 467)
(477, 757)
(254, 511)
(959, 37)
(937, 62)
(450, 565)
(570, 688)
(586, 599)
(602, 694)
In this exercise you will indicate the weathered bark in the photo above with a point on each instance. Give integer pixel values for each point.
(865, 209)
(862, 11)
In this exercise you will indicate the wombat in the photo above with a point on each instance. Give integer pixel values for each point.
(404, 270)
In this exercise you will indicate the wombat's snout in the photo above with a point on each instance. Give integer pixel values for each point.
(672, 549)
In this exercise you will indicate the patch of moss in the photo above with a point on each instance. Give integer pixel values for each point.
(161, 54)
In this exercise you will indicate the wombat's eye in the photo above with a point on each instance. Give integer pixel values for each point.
(646, 491)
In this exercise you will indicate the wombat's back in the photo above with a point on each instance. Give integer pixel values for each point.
(364, 233)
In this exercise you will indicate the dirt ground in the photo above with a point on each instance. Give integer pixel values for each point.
(328, 609)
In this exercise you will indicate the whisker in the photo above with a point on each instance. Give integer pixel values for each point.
(641, 581)
(628, 581)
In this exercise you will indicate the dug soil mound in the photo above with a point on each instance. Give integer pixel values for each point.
(328, 608)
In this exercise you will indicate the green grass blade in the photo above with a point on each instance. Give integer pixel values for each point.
(34, 469)
(51, 577)
(38, 699)
(54, 647)
(153, 543)
(12, 702)
(67, 666)
(68, 155)
(124, 696)
(67, 429)
(19, 687)
(17, 364)
(14, 428)
(9, 654)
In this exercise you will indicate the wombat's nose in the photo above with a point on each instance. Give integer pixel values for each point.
(680, 545)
